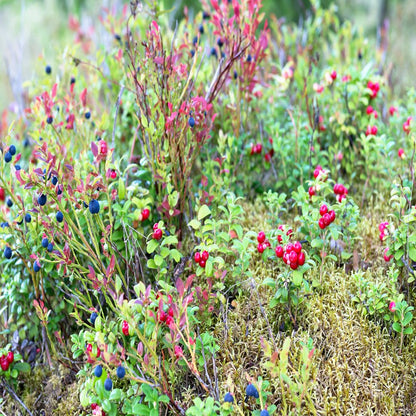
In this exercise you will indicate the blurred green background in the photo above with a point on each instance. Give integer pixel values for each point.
(35, 31)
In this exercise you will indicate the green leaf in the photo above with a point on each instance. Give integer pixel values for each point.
(121, 189)
(176, 255)
(22, 367)
(151, 246)
(203, 212)
(412, 253)
(397, 327)
(408, 331)
(317, 243)
(195, 224)
(115, 395)
(118, 283)
(158, 260)
(151, 264)
(297, 277)
(269, 281)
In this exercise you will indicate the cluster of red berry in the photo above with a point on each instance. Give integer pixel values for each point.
(371, 130)
(125, 328)
(374, 87)
(291, 254)
(406, 125)
(282, 228)
(201, 258)
(6, 360)
(327, 216)
(341, 191)
(103, 147)
(386, 257)
(319, 174)
(145, 214)
(401, 154)
(165, 317)
(370, 111)
(256, 148)
(263, 243)
(89, 351)
(157, 232)
(382, 228)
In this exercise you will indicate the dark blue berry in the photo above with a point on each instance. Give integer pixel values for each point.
(93, 317)
(98, 372)
(220, 43)
(4, 225)
(228, 398)
(54, 180)
(201, 29)
(108, 384)
(17, 167)
(48, 69)
(59, 191)
(117, 37)
(235, 74)
(251, 391)
(42, 200)
(195, 40)
(36, 266)
(7, 157)
(214, 52)
(121, 372)
(49, 120)
(28, 217)
(45, 242)
(72, 80)
(21, 221)
(249, 58)
(87, 115)
(9, 202)
(26, 142)
(7, 252)
(192, 53)
(205, 15)
(12, 149)
(191, 122)
(264, 413)
(59, 216)
(94, 206)
(50, 247)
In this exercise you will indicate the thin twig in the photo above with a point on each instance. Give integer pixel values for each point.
(115, 117)
(15, 396)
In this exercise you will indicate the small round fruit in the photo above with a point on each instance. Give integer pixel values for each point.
(113, 174)
(197, 257)
(50, 247)
(28, 218)
(261, 237)
(125, 328)
(311, 191)
(121, 371)
(279, 251)
(191, 122)
(10, 357)
(294, 265)
(145, 214)
(93, 317)
(48, 69)
(7, 157)
(251, 391)
(289, 247)
(297, 247)
(49, 120)
(45, 242)
(205, 255)
(9, 202)
(323, 210)
(260, 248)
(157, 234)
(7, 252)
(36, 266)
(42, 200)
(301, 258)
(108, 384)
(321, 223)
(59, 216)
(4, 364)
(98, 371)
(94, 206)
(327, 219)
(12, 149)
(264, 412)
(293, 257)
(54, 181)
(228, 398)
(87, 115)
(203, 263)
(331, 215)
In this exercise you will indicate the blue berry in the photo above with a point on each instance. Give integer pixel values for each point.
(121, 372)
(235, 74)
(28, 217)
(214, 52)
(45, 242)
(264, 413)
(36, 266)
(49, 120)
(59, 216)
(26, 142)
(48, 69)
(108, 384)
(87, 115)
(12, 149)
(54, 180)
(17, 167)
(228, 398)
(201, 29)
(98, 372)
(94, 206)
(42, 200)
(7, 157)
(59, 191)
(249, 58)
(4, 225)
(7, 252)
(191, 122)
(195, 40)
(50, 247)
(9, 202)
(192, 53)
(93, 317)
(251, 391)
(205, 15)
(220, 43)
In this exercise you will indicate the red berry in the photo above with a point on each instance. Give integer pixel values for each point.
(289, 247)
(331, 215)
(157, 234)
(267, 244)
(125, 328)
(155, 226)
(297, 247)
(260, 248)
(321, 223)
(145, 214)
(94, 406)
(370, 109)
(258, 148)
(10, 357)
(103, 147)
(205, 255)
(311, 191)
(279, 238)
(286, 258)
(327, 219)
(400, 153)
(289, 232)
(294, 265)
(113, 174)
(293, 257)
(89, 347)
(334, 75)
(301, 258)
(261, 237)
(323, 210)
(197, 257)
(267, 157)
(202, 263)
(4, 364)
(279, 251)
(316, 173)
(2, 194)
